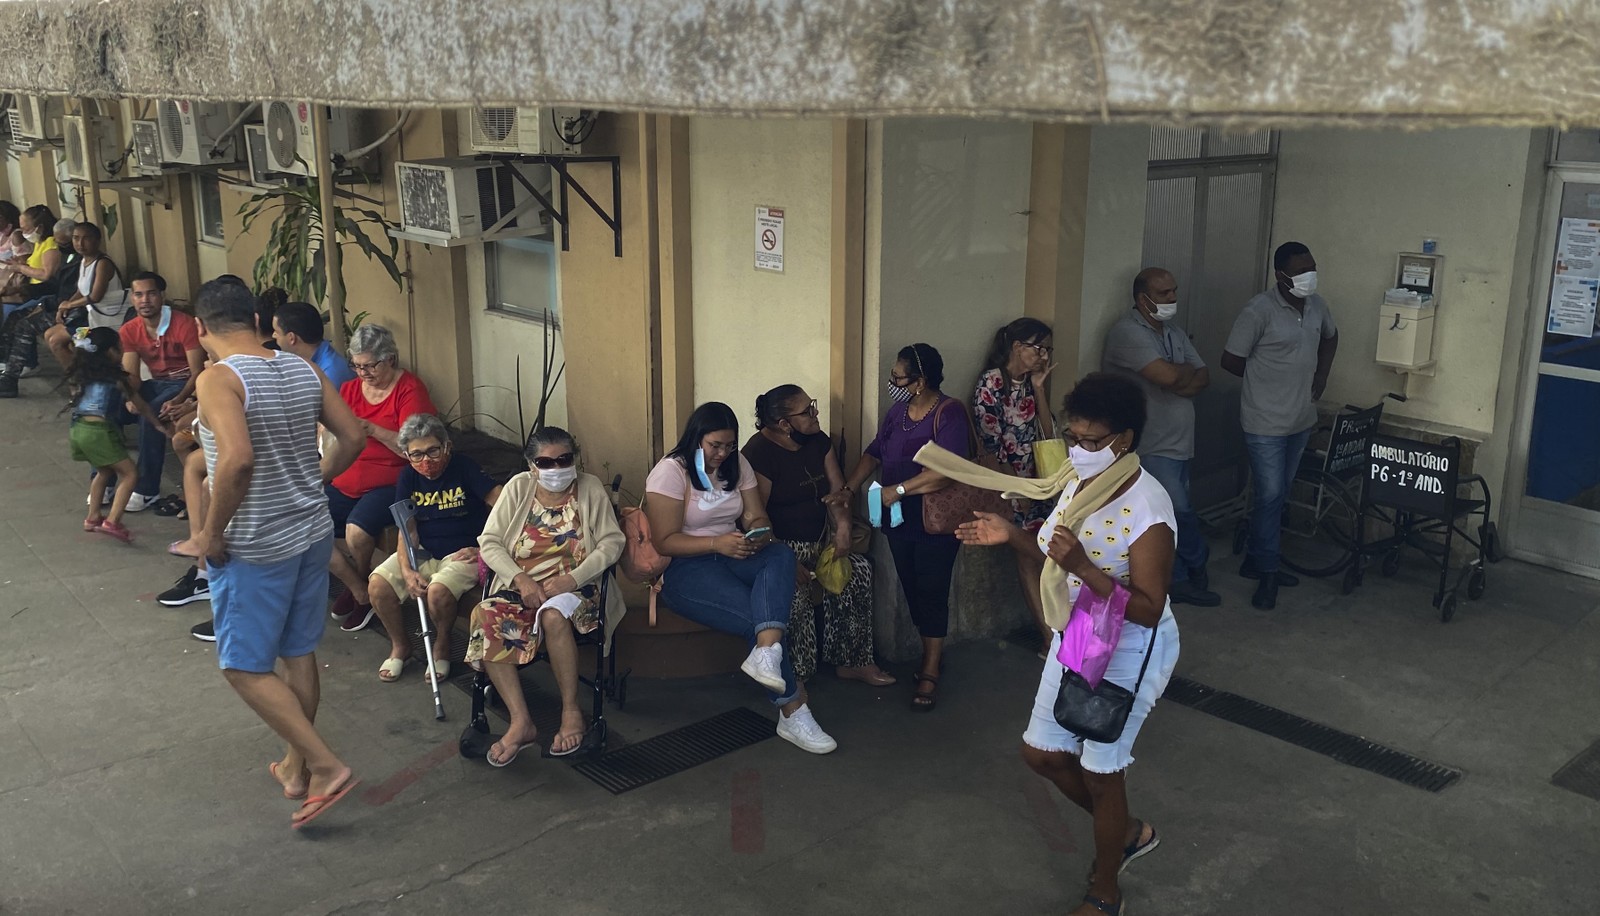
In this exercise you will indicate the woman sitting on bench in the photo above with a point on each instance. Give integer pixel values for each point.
(551, 538)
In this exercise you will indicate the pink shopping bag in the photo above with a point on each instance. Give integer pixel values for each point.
(1092, 632)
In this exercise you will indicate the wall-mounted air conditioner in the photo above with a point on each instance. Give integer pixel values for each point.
(255, 145)
(463, 198)
(191, 130)
(38, 117)
(146, 160)
(102, 158)
(529, 131)
(291, 144)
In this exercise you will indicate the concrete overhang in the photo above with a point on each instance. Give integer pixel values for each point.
(1248, 62)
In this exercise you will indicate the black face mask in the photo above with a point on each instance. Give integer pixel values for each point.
(799, 436)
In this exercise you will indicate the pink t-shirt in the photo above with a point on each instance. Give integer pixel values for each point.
(706, 513)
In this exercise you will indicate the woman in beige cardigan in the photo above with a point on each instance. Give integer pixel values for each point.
(551, 538)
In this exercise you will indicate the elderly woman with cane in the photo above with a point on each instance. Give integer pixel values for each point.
(1107, 545)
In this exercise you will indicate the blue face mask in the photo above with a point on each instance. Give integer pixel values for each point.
(700, 468)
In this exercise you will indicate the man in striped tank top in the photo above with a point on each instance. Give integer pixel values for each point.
(267, 535)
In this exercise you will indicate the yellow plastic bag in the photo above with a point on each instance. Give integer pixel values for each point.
(1048, 456)
(833, 572)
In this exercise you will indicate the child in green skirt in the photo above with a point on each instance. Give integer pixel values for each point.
(97, 373)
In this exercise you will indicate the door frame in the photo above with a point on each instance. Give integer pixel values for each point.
(1516, 479)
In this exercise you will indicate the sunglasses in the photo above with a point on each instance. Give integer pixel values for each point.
(544, 463)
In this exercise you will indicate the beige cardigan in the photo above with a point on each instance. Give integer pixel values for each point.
(602, 536)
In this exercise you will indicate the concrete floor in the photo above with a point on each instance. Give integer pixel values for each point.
(132, 780)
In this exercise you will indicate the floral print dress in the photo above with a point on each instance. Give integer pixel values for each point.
(1008, 426)
(503, 629)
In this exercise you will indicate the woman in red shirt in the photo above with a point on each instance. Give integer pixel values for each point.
(382, 395)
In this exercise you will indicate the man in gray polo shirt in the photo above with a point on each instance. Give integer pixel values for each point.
(1144, 347)
(1283, 345)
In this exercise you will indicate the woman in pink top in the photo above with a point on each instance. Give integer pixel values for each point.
(739, 583)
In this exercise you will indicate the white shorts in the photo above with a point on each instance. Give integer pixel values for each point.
(1046, 734)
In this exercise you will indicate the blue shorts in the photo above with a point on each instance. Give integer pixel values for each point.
(369, 511)
(265, 612)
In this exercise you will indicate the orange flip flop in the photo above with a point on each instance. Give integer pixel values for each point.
(324, 802)
(273, 769)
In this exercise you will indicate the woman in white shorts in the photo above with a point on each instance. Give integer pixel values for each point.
(1127, 542)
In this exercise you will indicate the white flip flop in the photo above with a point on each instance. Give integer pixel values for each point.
(389, 671)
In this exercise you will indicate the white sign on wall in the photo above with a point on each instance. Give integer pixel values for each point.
(1575, 288)
(769, 239)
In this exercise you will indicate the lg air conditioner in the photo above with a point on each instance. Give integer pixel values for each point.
(255, 146)
(463, 198)
(291, 142)
(102, 157)
(192, 133)
(38, 117)
(528, 131)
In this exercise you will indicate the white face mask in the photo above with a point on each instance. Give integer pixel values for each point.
(34, 237)
(1090, 464)
(1304, 284)
(557, 480)
(1165, 311)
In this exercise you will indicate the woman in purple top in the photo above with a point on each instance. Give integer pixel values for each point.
(923, 561)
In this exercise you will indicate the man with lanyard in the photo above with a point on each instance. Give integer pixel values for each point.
(166, 342)
(1143, 346)
(1282, 344)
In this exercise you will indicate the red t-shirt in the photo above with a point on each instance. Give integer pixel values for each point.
(167, 355)
(378, 466)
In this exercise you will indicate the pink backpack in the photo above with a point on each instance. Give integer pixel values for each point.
(640, 561)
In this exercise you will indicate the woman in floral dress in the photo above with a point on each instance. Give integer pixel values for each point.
(1007, 405)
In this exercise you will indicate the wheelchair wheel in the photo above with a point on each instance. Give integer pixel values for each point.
(1319, 525)
(1477, 583)
(1447, 607)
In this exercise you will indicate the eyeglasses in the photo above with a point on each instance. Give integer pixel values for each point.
(366, 368)
(721, 448)
(425, 454)
(546, 463)
(900, 381)
(1092, 445)
(1041, 349)
(811, 409)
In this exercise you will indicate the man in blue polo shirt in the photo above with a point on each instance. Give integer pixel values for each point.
(297, 327)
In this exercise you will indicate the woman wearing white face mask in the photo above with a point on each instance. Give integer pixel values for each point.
(552, 535)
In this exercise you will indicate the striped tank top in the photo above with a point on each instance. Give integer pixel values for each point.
(285, 509)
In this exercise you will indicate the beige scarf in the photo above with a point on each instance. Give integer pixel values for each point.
(1053, 587)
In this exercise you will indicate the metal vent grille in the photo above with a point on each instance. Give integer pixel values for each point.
(283, 133)
(664, 755)
(14, 121)
(172, 127)
(425, 198)
(496, 125)
(496, 196)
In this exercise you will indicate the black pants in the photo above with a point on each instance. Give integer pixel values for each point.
(19, 338)
(924, 564)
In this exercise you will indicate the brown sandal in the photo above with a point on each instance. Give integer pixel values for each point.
(924, 701)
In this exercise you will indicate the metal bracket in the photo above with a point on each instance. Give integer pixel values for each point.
(559, 209)
(150, 190)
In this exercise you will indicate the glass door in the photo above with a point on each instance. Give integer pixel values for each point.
(1556, 520)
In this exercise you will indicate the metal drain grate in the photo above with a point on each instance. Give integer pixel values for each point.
(1346, 748)
(664, 755)
(1581, 774)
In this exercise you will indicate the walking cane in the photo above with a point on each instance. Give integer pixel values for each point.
(404, 512)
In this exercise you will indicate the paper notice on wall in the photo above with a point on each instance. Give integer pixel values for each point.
(769, 239)
(1572, 306)
(1578, 249)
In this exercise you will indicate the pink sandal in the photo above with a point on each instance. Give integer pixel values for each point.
(93, 525)
(115, 530)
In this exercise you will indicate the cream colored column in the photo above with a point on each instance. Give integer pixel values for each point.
(1057, 207)
(845, 328)
(675, 325)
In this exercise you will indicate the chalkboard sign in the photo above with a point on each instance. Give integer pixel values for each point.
(1419, 477)
(1348, 445)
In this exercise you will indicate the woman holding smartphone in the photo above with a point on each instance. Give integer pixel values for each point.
(698, 496)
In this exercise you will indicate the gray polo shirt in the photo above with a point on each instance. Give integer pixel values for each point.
(1279, 344)
(1132, 345)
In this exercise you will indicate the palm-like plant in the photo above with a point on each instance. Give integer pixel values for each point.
(293, 257)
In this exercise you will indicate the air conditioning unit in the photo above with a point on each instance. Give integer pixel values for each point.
(38, 117)
(255, 145)
(190, 130)
(462, 198)
(100, 159)
(291, 145)
(529, 131)
(146, 160)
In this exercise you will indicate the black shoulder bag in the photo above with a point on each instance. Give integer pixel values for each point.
(1100, 714)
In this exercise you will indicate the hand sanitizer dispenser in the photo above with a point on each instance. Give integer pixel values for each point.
(1405, 320)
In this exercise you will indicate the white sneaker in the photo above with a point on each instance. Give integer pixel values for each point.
(29, 372)
(105, 500)
(138, 502)
(802, 731)
(765, 665)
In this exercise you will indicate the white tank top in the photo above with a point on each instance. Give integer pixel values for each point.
(108, 312)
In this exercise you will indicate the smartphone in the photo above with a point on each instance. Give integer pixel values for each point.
(755, 533)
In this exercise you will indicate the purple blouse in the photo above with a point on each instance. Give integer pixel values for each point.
(895, 445)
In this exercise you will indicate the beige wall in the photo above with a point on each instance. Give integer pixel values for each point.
(756, 329)
(1358, 198)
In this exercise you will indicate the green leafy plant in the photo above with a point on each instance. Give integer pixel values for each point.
(293, 256)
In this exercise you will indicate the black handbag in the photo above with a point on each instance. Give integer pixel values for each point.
(1100, 714)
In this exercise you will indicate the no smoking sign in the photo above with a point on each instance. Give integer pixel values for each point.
(769, 239)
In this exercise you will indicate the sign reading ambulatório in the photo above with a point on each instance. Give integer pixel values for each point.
(769, 239)
(1416, 476)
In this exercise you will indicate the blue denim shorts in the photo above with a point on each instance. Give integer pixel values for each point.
(265, 612)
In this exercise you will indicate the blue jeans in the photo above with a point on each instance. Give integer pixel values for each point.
(1193, 552)
(741, 597)
(153, 442)
(1274, 461)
